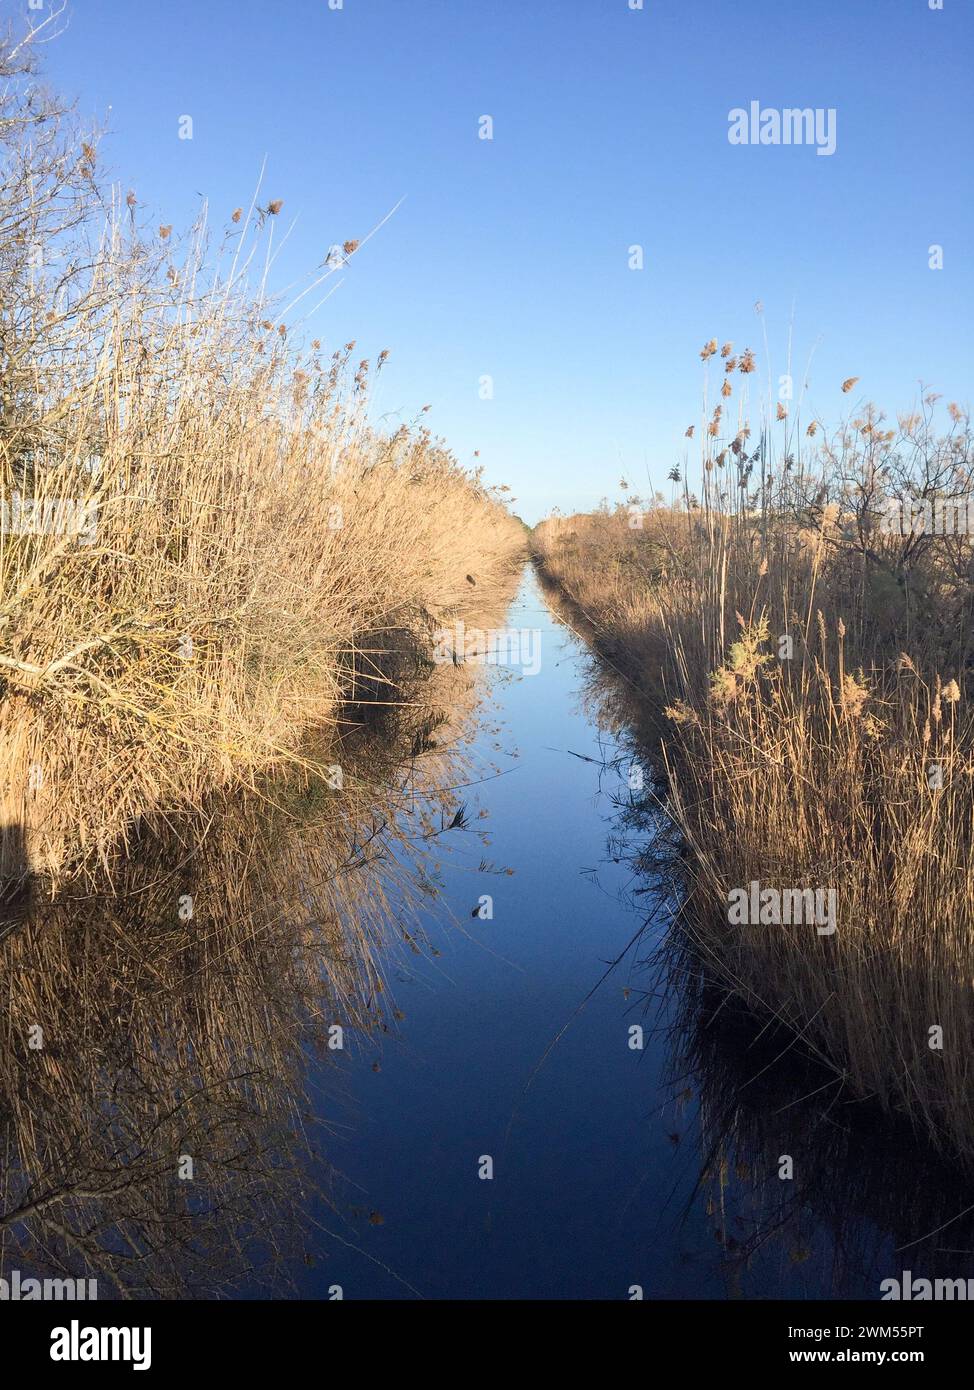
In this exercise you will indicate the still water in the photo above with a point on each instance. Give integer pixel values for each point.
(537, 1095)
(616, 1168)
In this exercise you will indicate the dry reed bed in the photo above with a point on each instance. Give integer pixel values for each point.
(847, 763)
(228, 540)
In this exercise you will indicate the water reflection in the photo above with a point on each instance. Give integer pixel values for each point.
(809, 1190)
(863, 1196)
(209, 1035)
(163, 1021)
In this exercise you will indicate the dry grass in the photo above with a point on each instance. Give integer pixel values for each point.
(845, 761)
(251, 544)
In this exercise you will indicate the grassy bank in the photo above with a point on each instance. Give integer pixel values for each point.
(801, 667)
(206, 548)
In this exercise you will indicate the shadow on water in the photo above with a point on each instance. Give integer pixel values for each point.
(810, 1190)
(164, 1017)
(847, 1196)
(249, 1060)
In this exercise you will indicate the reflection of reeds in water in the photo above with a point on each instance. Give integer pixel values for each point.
(869, 1194)
(139, 1037)
(865, 1197)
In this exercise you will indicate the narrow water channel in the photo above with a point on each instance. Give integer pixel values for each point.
(581, 1157)
(618, 1170)
(535, 1094)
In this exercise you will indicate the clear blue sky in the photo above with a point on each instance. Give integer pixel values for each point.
(509, 258)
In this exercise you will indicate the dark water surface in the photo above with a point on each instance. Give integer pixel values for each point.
(582, 1162)
(612, 1167)
(185, 1129)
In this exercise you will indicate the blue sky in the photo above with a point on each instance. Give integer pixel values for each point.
(509, 257)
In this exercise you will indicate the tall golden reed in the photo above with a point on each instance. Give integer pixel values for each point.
(204, 538)
(801, 663)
